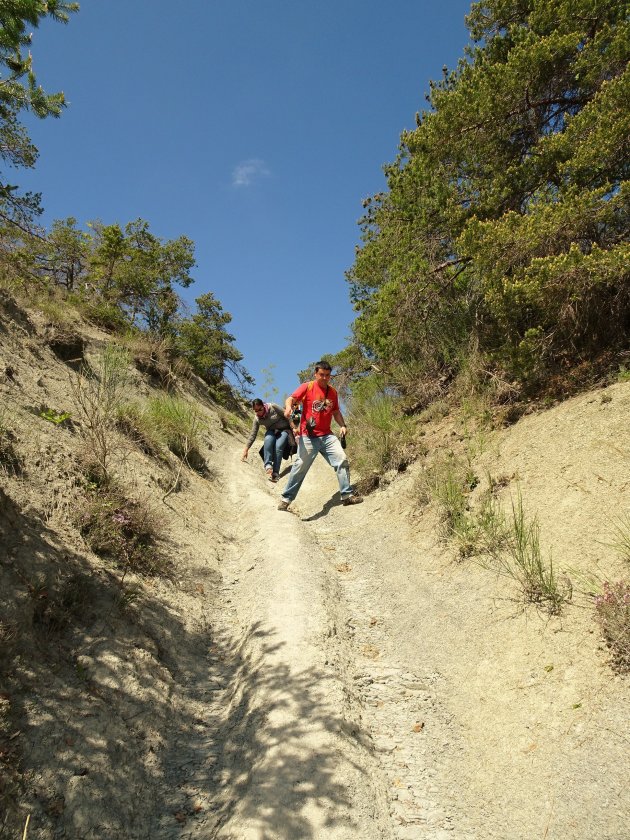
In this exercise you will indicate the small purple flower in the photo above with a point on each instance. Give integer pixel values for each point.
(121, 518)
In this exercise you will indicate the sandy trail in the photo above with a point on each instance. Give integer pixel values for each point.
(302, 770)
(401, 695)
(326, 674)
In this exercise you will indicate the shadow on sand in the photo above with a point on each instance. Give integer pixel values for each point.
(104, 702)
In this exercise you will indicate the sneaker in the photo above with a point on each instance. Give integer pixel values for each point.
(284, 505)
(274, 477)
(353, 500)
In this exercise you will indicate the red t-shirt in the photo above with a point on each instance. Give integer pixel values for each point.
(314, 397)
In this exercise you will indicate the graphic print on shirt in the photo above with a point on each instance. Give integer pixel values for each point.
(318, 404)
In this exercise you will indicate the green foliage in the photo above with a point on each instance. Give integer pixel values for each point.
(503, 231)
(19, 84)
(65, 253)
(536, 576)
(380, 437)
(134, 420)
(138, 271)
(347, 365)
(230, 423)
(623, 374)
(20, 91)
(124, 279)
(154, 356)
(269, 390)
(511, 547)
(447, 480)
(208, 347)
(99, 392)
(105, 314)
(180, 425)
(492, 533)
(58, 418)
(434, 411)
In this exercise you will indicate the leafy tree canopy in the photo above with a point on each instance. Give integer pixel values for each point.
(19, 90)
(504, 227)
(207, 345)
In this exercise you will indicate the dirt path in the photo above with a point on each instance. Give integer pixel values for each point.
(390, 693)
(328, 674)
(283, 742)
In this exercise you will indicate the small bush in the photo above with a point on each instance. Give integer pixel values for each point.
(491, 525)
(526, 564)
(104, 314)
(230, 422)
(511, 547)
(156, 358)
(124, 531)
(181, 426)
(612, 610)
(450, 492)
(135, 422)
(623, 375)
(448, 482)
(381, 436)
(435, 411)
(98, 395)
(59, 313)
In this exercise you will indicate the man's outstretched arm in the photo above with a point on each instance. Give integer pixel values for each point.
(342, 423)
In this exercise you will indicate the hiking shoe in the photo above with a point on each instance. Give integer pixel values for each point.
(284, 505)
(353, 500)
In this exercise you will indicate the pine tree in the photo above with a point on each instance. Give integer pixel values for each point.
(505, 224)
(19, 90)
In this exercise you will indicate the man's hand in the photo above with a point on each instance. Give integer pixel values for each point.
(338, 416)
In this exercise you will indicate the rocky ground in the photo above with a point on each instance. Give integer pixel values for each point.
(327, 673)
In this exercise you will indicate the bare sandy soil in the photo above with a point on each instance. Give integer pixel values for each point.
(326, 674)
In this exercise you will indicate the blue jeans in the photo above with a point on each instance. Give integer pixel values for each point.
(308, 448)
(273, 447)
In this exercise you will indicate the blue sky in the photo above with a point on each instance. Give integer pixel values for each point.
(255, 129)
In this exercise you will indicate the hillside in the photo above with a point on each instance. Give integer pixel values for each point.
(331, 674)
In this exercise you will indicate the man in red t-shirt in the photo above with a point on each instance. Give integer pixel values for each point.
(320, 404)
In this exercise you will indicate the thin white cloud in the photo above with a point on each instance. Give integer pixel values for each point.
(248, 171)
